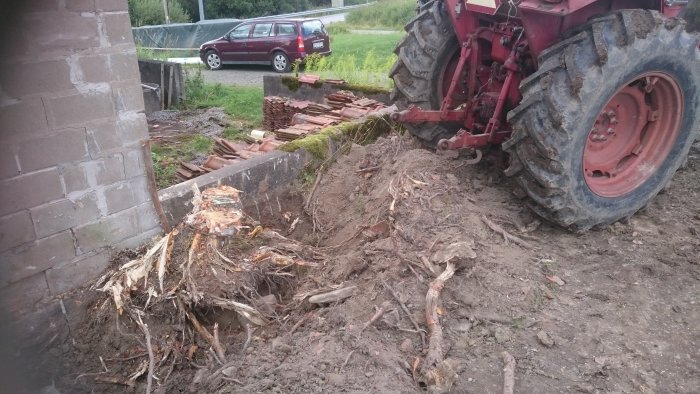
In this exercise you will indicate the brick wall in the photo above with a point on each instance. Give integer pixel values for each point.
(72, 179)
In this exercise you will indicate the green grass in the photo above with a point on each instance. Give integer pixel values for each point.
(388, 14)
(363, 59)
(242, 103)
(168, 154)
(162, 54)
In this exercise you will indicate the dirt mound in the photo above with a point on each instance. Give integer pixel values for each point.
(607, 311)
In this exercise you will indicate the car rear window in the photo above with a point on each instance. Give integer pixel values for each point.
(312, 27)
(286, 29)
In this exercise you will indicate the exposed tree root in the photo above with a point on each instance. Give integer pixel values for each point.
(431, 371)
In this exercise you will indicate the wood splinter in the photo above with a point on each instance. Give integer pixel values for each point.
(436, 348)
(377, 315)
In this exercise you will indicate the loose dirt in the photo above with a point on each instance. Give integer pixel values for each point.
(615, 310)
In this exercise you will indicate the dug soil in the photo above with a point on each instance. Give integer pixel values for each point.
(615, 310)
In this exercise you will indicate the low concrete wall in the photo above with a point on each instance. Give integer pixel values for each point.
(273, 85)
(255, 177)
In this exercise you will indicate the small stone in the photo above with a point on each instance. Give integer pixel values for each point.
(676, 308)
(545, 338)
(457, 251)
(335, 379)
(267, 303)
(585, 388)
(229, 372)
(279, 346)
(369, 374)
(502, 335)
(407, 346)
(462, 326)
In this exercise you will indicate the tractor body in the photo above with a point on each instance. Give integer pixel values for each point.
(499, 45)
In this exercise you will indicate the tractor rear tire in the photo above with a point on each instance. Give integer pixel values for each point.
(555, 149)
(423, 54)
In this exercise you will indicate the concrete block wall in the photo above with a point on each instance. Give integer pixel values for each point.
(72, 179)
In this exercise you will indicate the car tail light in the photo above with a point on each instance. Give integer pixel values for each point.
(300, 43)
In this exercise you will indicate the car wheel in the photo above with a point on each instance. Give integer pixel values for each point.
(280, 62)
(213, 60)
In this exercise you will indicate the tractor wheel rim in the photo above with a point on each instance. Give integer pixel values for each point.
(460, 94)
(633, 135)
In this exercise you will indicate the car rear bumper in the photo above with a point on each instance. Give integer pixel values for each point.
(304, 55)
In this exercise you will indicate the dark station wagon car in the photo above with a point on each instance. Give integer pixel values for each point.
(269, 42)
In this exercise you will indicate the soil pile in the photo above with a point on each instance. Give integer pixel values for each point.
(398, 244)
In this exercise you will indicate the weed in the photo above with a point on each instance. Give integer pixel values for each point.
(235, 132)
(201, 144)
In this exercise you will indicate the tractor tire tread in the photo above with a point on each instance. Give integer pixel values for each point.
(541, 143)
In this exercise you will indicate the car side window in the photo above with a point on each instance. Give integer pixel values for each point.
(286, 29)
(240, 32)
(262, 30)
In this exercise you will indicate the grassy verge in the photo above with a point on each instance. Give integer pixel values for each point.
(389, 14)
(242, 103)
(162, 54)
(363, 59)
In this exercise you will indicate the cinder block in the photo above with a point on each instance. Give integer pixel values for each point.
(139, 188)
(128, 95)
(124, 66)
(109, 230)
(15, 230)
(133, 163)
(118, 28)
(80, 5)
(148, 218)
(38, 6)
(35, 328)
(139, 239)
(56, 148)
(36, 257)
(105, 171)
(63, 30)
(132, 127)
(74, 178)
(8, 161)
(111, 5)
(95, 68)
(29, 190)
(23, 119)
(71, 275)
(21, 297)
(63, 214)
(118, 197)
(77, 109)
(103, 138)
(32, 77)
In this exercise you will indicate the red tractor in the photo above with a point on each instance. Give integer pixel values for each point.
(595, 101)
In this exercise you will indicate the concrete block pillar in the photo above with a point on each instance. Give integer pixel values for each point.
(72, 178)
